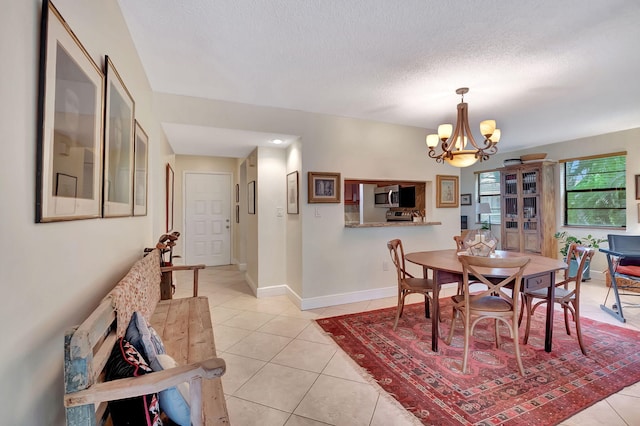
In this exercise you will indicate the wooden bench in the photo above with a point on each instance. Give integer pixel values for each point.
(185, 328)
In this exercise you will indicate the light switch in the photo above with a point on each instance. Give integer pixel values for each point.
(279, 211)
(317, 211)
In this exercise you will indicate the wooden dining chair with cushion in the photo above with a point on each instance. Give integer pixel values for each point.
(407, 283)
(495, 302)
(567, 293)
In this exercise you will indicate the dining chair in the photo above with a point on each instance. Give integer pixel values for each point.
(407, 283)
(567, 293)
(459, 242)
(495, 302)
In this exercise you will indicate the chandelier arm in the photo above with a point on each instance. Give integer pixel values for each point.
(438, 157)
(465, 124)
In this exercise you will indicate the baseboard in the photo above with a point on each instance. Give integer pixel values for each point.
(276, 290)
(352, 297)
(322, 301)
(252, 285)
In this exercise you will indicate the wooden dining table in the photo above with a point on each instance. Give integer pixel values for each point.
(539, 273)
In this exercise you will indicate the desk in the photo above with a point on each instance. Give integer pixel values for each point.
(539, 273)
(614, 256)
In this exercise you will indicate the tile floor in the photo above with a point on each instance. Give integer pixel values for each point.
(282, 369)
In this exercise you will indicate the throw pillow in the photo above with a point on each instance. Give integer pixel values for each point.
(173, 401)
(145, 339)
(126, 361)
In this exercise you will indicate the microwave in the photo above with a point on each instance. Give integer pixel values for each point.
(395, 196)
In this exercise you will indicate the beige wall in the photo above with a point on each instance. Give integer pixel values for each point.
(54, 274)
(594, 145)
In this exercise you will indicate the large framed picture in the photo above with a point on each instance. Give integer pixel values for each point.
(169, 204)
(70, 118)
(292, 193)
(140, 174)
(118, 145)
(324, 187)
(446, 191)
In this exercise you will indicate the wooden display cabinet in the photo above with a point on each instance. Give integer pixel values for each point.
(528, 208)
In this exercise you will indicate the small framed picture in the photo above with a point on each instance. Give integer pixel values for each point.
(446, 191)
(292, 193)
(170, 182)
(637, 187)
(324, 187)
(465, 199)
(140, 174)
(251, 197)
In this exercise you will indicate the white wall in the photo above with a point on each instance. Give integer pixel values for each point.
(600, 144)
(54, 274)
(271, 211)
(293, 230)
(338, 263)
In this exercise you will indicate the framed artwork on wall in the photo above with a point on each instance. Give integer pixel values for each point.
(446, 191)
(70, 120)
(251, 197)
(292, 193)
(465, 199)
(169, 204)
(118, 145)
(324, 187)
(140, 174)
(637, 187)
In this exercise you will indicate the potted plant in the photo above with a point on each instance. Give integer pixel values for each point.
(565, 240)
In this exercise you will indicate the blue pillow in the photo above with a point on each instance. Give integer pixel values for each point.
(173, 401)
(145, 339)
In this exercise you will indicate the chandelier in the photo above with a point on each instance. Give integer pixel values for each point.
(454, 145)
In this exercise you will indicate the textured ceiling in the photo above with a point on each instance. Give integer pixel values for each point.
(545, 70)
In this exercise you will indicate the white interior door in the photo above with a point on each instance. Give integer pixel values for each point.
(207, 219)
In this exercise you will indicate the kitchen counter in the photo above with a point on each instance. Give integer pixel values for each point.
(388, 224)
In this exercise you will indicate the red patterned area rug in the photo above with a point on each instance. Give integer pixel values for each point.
(556, 386)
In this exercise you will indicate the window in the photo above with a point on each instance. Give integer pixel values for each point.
(489, 192)
(595, 191)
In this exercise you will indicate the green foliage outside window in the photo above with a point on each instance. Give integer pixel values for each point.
(595, 192)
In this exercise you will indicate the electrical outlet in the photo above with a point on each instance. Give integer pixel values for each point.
(385, 265)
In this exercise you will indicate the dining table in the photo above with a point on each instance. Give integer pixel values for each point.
(446, 268)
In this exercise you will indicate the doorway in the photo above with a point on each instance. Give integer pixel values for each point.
(207, 218)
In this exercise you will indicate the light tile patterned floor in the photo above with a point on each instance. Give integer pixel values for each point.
(282, 369)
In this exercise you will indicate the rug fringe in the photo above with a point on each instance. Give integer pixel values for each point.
(408, 415)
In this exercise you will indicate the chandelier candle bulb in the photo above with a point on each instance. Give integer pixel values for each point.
(432, 140)
(487, 127)
(495, 137)
(444, 131)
